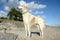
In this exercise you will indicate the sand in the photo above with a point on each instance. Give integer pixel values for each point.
(50, 33)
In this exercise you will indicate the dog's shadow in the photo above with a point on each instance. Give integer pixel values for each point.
(37, 33)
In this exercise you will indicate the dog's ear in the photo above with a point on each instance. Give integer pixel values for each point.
(25, 7)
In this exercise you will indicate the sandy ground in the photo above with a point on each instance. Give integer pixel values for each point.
(50, 33)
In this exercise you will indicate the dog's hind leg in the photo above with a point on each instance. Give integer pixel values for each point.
(39, 29)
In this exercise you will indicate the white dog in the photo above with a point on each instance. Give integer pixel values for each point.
(30, 20)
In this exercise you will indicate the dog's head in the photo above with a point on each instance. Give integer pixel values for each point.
(22, 8)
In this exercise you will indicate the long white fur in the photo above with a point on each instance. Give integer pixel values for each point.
(29, 21)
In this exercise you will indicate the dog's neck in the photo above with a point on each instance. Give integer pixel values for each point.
(24, 12)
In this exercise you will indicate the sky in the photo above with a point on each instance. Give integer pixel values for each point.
(47, 9)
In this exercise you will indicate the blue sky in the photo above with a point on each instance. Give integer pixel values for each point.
(48, 9)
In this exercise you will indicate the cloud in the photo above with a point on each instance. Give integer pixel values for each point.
(36, 12)
(22, 3)
(39, 12)
(32, 5)
(30, 10)
(3, 14)
(2, 1)
(35, 5)
(43, 16)
(10, 4)
(11, 0)
(7, 8)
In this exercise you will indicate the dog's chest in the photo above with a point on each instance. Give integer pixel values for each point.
(27, 18)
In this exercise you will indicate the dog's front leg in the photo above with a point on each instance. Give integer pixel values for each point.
(26, 30)
(29, 31)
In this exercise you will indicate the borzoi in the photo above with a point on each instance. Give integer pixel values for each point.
(30, 20)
